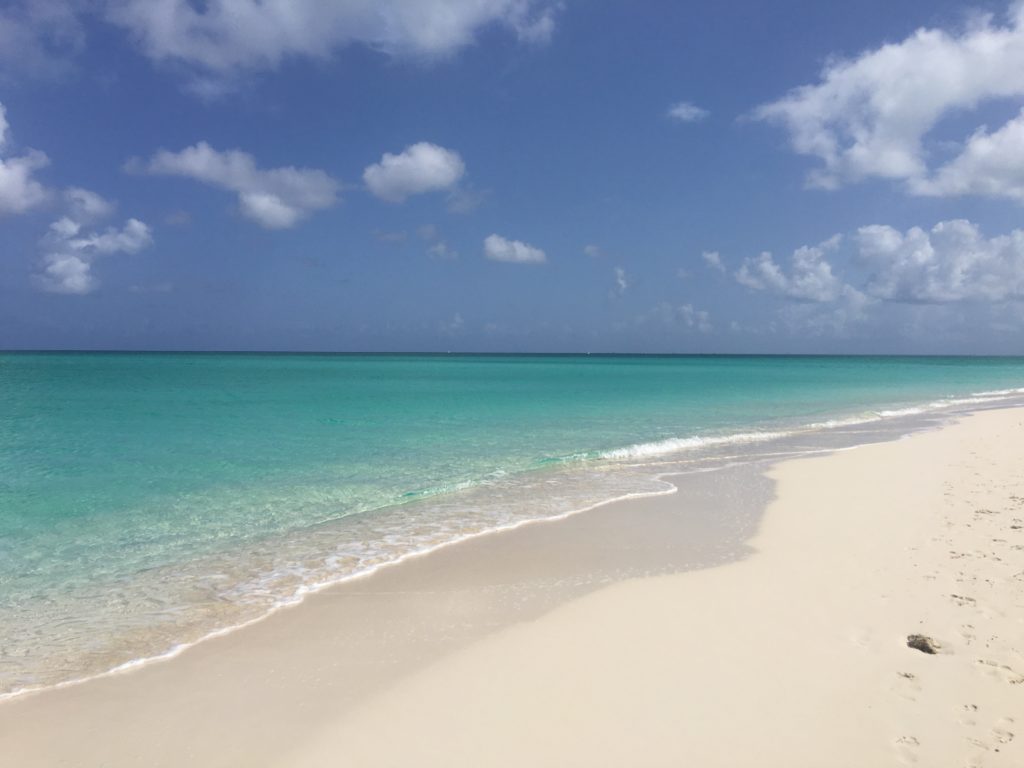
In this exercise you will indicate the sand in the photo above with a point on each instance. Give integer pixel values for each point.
(630, 635)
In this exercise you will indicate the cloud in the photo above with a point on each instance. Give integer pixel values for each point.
(820, 303)
(419, 168)
(713, 260)
(220, 39)
(438, 248)
(621, 282)
(869, 116)
(86, 205)
(441, 250)
(685, 112)
(952, 262)
(69, 252)
(19, 191)
(276, 199)
(465, 199)
(810, 277)
(39, 37)
(694, 318)
(950, 265)
(684, 316)
(593, 251)
(497, 248)
(990, 165)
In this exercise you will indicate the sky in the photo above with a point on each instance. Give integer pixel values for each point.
(512, 176)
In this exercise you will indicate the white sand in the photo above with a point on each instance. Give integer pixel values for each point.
(794, 656)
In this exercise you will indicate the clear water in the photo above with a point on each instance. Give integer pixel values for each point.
(149, 499)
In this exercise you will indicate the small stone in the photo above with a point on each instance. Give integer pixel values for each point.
(923, 643)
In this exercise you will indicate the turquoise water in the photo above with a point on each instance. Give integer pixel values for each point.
(148, 499)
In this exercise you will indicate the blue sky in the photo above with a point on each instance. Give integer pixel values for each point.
(508, 175)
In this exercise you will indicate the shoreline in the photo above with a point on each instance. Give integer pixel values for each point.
(310, 591)
(460, 582)
(678, 451)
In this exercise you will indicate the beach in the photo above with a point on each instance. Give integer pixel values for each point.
(628, 635)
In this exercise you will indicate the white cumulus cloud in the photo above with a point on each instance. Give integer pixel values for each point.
(950, 265)
(685, 112)
(275, 198)
(498, 248)
(990, 164)
(869, 116)
(419, 168)
(221, 38)
(810, 277)
(951, 262)
(19, 191)
(69, 251)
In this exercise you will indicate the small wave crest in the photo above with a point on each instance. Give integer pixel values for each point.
(678, 444)
(674, 444)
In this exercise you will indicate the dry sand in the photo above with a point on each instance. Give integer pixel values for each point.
(541, 647)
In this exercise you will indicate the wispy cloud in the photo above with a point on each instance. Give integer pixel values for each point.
(714, 260)
(275, 198)
(621, 282)
(686, 112)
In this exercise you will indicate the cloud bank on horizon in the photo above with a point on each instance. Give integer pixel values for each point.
(911, 154)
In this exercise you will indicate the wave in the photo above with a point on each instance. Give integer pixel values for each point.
(674, 444)
(678, 444)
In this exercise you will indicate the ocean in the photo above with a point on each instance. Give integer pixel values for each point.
(150, 500)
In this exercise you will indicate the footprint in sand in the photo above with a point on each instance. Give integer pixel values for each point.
(969, 718)
(906, 748)
(999, 736)
(1000, 671)
(1002, 733)
(907, 686)
(967, 633)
